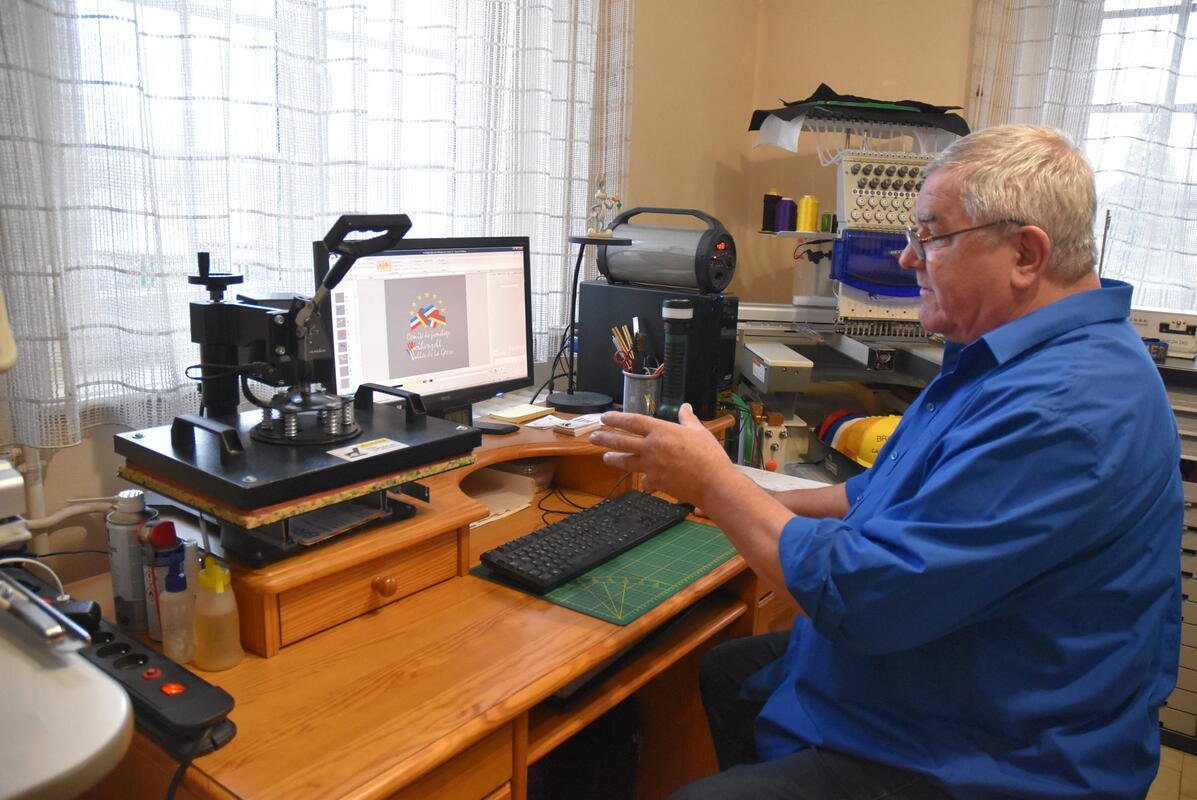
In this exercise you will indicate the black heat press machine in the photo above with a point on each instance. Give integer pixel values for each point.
(304, 465)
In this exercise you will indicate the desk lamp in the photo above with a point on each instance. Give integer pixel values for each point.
(572, 400)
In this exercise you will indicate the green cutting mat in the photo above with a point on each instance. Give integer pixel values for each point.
(632, 583)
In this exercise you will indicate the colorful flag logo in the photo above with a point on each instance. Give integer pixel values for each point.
(429, 315)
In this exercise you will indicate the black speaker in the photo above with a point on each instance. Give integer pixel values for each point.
(710, 351)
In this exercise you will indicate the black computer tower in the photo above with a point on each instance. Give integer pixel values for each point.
(710, 352)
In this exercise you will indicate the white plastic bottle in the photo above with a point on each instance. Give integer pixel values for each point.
(217, 628)
(125, 561)
(177, 606)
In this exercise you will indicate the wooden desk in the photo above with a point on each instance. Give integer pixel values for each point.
(442, 693)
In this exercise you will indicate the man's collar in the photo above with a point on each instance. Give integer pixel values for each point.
(1109, 303)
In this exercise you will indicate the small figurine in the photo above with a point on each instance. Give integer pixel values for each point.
(603, 202)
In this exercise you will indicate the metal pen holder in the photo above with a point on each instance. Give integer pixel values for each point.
(641, 392)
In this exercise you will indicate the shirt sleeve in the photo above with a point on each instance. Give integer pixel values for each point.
(996, 508)
(855, 486)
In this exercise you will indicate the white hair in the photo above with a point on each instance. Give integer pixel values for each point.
(1033, 174)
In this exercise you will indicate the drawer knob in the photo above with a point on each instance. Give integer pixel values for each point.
(384, 586)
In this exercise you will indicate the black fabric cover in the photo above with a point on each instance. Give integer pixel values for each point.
(826, 104)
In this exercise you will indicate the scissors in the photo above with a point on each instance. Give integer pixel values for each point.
(625, 360)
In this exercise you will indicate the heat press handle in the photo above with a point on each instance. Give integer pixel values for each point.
(395, 226)
(712, 223)
(183, 433)
(363, 400)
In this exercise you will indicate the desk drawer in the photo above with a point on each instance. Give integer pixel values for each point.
(774, 613)
(480, 771)
(330, 601)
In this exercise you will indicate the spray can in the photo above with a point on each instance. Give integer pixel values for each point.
(124, 555)
(160, 546)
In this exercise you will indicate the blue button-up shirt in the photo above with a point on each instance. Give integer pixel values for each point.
(1000, 608)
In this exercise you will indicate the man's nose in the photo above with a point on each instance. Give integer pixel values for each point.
(908, 259)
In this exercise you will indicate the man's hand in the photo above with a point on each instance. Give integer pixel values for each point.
(681, 459)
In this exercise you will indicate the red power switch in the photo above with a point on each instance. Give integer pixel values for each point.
(173, 688)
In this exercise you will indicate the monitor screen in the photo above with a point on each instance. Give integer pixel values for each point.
(448, 319)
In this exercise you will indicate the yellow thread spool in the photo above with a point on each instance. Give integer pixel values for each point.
(808, 213)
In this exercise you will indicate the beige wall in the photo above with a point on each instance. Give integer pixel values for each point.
(701, 68)
(86, 470)
(700, 73)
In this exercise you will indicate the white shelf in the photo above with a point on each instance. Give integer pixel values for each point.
(812, 235)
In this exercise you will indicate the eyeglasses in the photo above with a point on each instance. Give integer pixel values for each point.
(916, 242)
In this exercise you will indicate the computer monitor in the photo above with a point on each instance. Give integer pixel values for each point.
(448, 319)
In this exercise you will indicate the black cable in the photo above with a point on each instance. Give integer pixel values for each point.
(548, 383)
(229, 369)
(188, 754)
(615, 485)
(67, 553)
(249, 395)
(555, 365)
(544, 512)
(177, 779)
(561, 494)
(573, 312)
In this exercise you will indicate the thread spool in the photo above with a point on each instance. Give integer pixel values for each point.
(787, 214)
(808, 213)
(769, 217)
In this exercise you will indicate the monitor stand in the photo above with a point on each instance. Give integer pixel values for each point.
(464, 415)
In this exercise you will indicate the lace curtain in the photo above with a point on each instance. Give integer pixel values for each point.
(1120, 77)
(134, 133)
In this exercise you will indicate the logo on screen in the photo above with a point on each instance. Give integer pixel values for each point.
(428, 327)
(427, 315)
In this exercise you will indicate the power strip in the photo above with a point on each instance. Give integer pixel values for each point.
(168, 696)
(172, 705)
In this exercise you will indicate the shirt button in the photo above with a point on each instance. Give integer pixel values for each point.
(893, 456)
(931, 407)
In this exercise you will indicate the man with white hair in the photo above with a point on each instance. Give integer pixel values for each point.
(993, 609)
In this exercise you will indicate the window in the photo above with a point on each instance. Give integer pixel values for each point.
(138, 132)
(1140, 135)
(1119, 76)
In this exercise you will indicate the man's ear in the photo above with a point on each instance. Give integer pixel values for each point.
(1034, 250)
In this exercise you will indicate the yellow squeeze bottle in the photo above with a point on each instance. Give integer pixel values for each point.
(217, 628)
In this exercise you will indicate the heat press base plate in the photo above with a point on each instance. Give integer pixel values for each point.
(266, 474)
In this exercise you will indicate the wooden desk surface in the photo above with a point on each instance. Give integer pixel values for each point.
(360, 710)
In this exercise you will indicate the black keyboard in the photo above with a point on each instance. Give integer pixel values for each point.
(546, 558)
